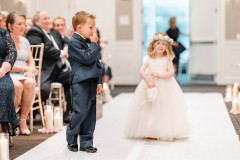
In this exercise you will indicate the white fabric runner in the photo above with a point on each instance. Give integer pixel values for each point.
(212, 138)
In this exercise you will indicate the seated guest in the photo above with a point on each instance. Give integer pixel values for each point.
(60, 25)
(8, 54)
(53, 69)
(23, 71)
(4, 15)
(29, 24)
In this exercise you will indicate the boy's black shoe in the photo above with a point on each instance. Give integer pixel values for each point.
(89, 149)
(73, 147)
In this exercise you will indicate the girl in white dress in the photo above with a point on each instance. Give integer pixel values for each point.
(166, 118)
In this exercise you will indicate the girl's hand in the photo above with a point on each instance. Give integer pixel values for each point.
(2, 72)
(99, 89)
(155, 74)
(151, 85)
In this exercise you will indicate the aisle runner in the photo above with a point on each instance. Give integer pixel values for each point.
(212, 138)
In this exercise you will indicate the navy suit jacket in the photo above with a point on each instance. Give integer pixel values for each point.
(84, 59)
(51, 55)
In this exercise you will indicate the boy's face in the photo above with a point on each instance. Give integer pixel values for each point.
(87, 29)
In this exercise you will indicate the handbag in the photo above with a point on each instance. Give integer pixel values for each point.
(179, 49)
(99, 106)
(151, 94)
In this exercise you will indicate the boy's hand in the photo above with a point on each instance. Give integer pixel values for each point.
(94, 38)
(99, 89)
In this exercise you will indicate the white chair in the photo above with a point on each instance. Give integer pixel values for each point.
(57, 96)
(37, 51)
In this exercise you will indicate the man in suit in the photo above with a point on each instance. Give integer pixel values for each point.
(60, 25)
(52, 67)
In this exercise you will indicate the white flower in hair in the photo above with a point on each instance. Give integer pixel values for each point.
(161, 37)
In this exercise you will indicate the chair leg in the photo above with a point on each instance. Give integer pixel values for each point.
(63, 100)
(31, 120)
(10, 139)
(41, 114)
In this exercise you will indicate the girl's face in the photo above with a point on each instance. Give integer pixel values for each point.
(160, 46)
(18, 27)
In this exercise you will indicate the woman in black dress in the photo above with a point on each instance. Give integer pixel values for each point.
(8, 54)
(173, 32)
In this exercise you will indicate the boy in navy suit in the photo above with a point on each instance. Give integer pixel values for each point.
(85, 82)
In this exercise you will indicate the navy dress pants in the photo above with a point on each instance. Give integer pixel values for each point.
(83, 119)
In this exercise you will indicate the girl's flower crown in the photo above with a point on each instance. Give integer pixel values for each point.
(161, 37)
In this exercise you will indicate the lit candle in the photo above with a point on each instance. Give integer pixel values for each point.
(235, 106)
(228, 94)
(4, 146)
(58, 118)
(235, 90)
(49, 117)
(58, 122)
(229, 89)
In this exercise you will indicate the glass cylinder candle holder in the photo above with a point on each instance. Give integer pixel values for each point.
(4, 146)
(235, 106)
(48, 112)
(58, 119)
(228, 94)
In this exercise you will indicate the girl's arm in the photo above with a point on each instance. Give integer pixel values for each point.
(144, 75)
(168, 74)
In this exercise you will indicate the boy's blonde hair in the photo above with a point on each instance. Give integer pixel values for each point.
(81, 18)
(164, 37)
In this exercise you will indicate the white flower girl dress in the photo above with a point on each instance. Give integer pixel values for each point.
(166, 118)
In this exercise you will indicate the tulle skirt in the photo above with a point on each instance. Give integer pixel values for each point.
(165, 119)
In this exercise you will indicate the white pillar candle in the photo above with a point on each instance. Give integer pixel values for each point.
(4, 147)
(49, 118)
(235, 105)
(229, 95)
(58, 118)
(235, 90)
(58, 122)
(228, 89)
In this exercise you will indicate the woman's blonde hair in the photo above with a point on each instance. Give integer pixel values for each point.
(164, 37)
